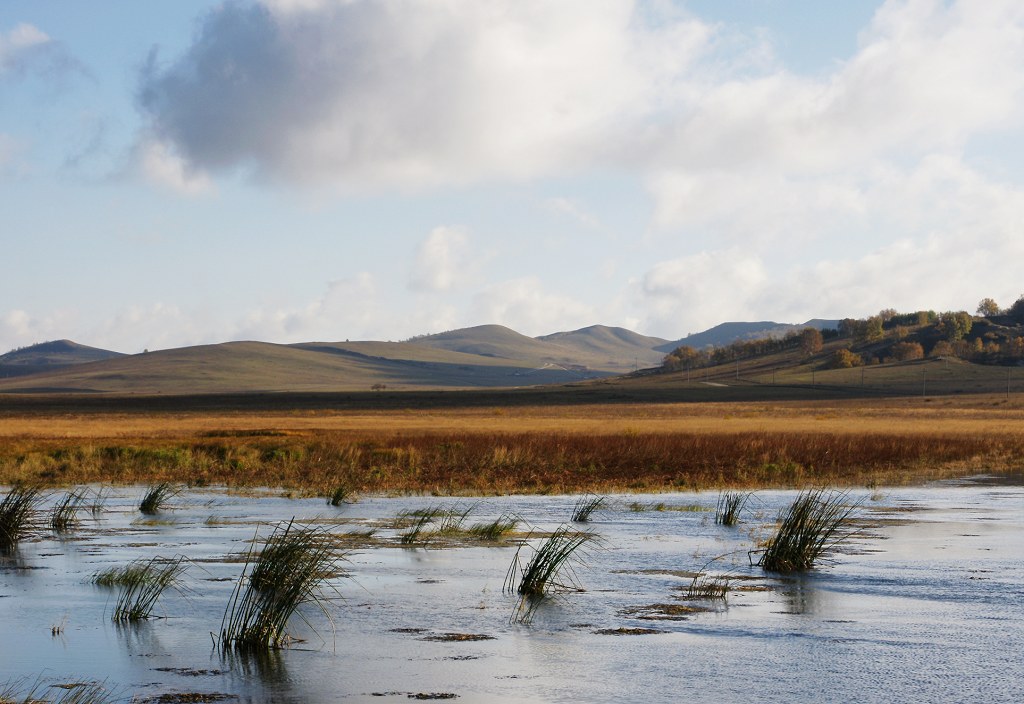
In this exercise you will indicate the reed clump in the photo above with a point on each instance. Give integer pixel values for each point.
(549, 568)
(707, 587)
(77, 693)
(814, 524)
(64, 514)
(587, 506)
(156, 497)
(18, 515)
(288, 572)
(496, 529)
(142, 584)
(730, 505)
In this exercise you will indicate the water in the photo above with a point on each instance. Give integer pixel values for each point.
(926, 605)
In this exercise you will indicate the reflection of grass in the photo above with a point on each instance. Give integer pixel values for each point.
(542, 573)
(142, 584)
(286, 574)
(811, 527)
(586, 506)
(17, 512)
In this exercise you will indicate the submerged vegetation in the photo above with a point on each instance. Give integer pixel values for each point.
(814, 524)
(288, 572)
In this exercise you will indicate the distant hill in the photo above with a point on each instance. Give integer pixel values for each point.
(727, 333)
(50, 356)
(611, 347)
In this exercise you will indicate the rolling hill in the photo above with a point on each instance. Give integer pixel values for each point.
(49, 357)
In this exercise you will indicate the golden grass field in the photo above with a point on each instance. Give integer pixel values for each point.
(480, 445)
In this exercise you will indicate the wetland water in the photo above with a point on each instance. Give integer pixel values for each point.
(926, 605)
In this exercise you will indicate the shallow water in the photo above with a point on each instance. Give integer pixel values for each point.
(927, 604)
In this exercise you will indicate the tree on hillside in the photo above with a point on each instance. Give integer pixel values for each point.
(942, 348)
(905, 351)
(868, 330)
(955, 326)
(987, 308)
(811, 341)
(844, 359)
(1016, 311)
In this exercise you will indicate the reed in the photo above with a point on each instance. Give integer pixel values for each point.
(120, 576)
(287, 573)
(545, 570)
(730, 504)
(142, 586)
(705, 587)
(79, 693)
(156, 497)
(18, 515)
(341, 495)
(64, 514)
(586, 506)
(496, 529)
(813, 525)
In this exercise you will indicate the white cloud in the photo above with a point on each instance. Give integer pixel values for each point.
(165, 168)
(412, 94)
(17, 44)
(524, 305)
(442, 261)
(574, 210)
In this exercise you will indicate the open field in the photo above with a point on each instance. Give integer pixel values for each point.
(455, 443)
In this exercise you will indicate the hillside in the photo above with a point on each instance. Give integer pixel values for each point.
(728, 333)
(610, 347)
(50, 356)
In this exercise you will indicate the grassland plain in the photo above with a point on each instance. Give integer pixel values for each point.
(485, 442)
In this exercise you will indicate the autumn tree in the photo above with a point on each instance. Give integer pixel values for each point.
(955, 326)
(942, 348)
(906, 351)
(1016, 311)
(810, 341)
(845, 359)
(988, 308)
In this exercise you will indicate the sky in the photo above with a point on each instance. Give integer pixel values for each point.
(192, 172)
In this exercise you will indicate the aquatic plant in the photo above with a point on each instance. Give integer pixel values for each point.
(64, 514)
(812, 526)
(142, 584)
(17, 515)
(156, 497)
(287, 573)
(730, 504)
(99, 501)
(340, 495)
(496, 529)
(703, 586)
(542, 573)
(75, 693)
(586, 506)
(418, 532)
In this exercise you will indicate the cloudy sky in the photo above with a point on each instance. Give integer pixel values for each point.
(193, 171)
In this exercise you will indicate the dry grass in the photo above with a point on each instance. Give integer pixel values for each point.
(573, 449)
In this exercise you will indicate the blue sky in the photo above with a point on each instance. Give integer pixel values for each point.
(290, 170)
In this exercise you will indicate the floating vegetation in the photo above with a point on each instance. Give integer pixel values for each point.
(156, 497)
(286, 574)
(627, 631)
(812, 526)
(730, 504)
(17, 515)
(143, 585)
(457, 637)
(661, 506)
(542, 572)
(64, 514)
(496, 529)
(662, 612)
(586, 506)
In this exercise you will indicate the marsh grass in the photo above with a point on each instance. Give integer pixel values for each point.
(156, 497)
(66, 693)
(98, 503)
(64, 514)
(496, 529)
(288, 572)
(707, 587)
(119, 576)
(419, 530)
(586, 506)
(730, 505)
(341, 495)
(448, 521)
(814, 524)
(550, 567)
(143, 585)
(18, 515)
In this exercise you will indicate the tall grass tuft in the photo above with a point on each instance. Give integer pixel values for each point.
(17, 515)
(542, 573)
(143, 585)
(78, 693)
(704, 587)
(286, 574)
(730, 504)
(341, 495)
(496, 529)
(811, 527)
(586, 506)
(64, 514)
(156, 497)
